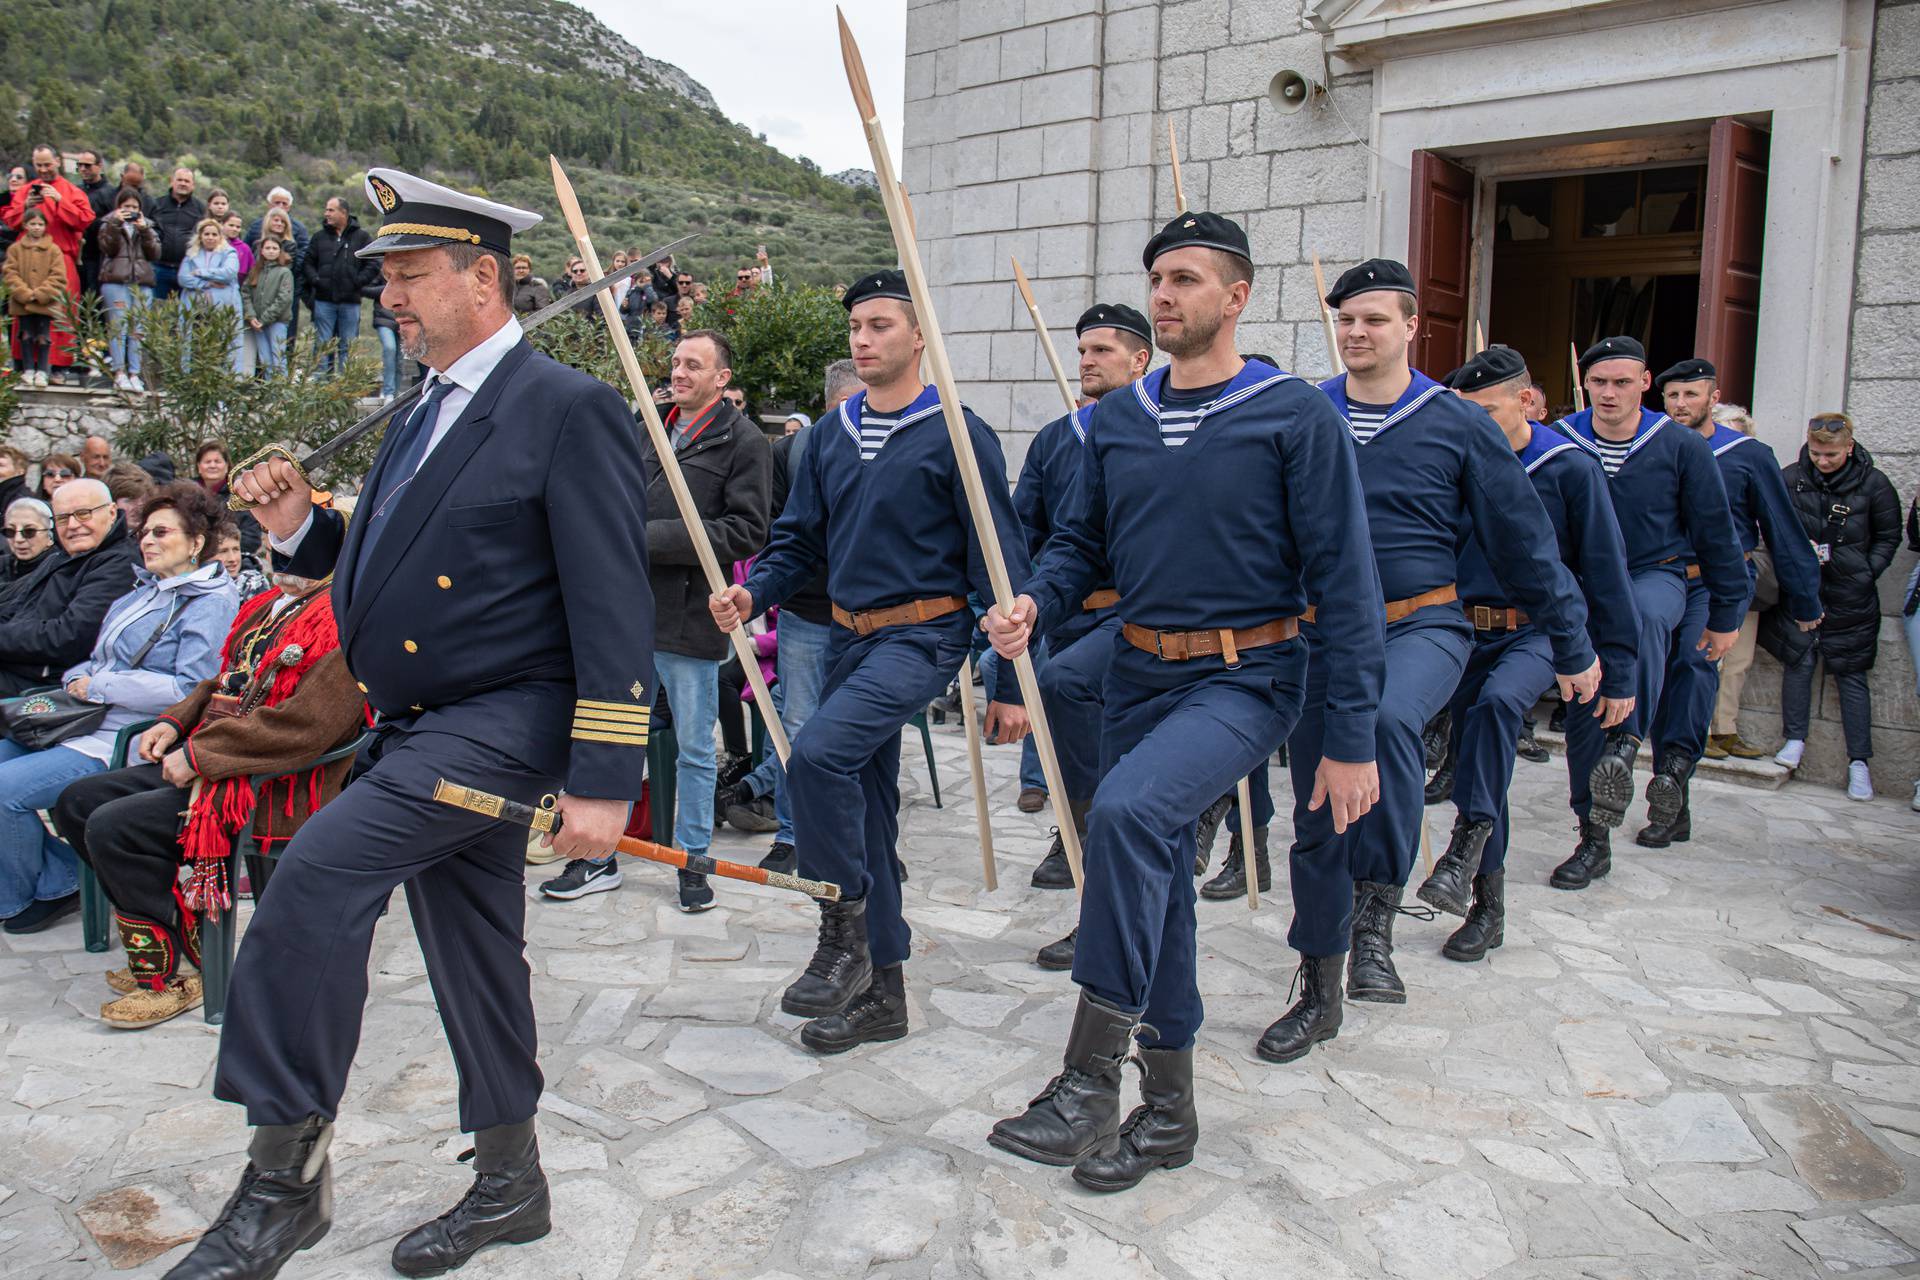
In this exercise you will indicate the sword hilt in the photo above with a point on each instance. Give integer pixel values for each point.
(543, 818)
(237, 503)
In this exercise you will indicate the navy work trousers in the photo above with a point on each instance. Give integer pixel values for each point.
(1693, 687)
(300, 982)
(1169, 754)
(1506, 674)
(1073, 688)
(1660, 595)
(1425, 655)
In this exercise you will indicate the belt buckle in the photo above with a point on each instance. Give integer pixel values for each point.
(1482, 617)
(1158, 651)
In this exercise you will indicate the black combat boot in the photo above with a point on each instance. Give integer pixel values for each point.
(1315, 1016)
(878, 1013)
(1669, 814)
(1440, 785)
(1592, 858)
(284, 1204)
(1434, 738)
(1611, 781)
(1450, 887)
(1207, 829)
(1054, 872)
(1078, 1112)
(507, 1204)
(1486, 926)
(1370, 972)
(840, 968)
(1232, 880)
(1161, 1132)
(1058, 955)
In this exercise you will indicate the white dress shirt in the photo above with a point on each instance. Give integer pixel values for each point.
(466, 374)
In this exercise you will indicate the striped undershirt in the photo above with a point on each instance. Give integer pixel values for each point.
(1613, 453)
(1365, 420)
(874, 430)
(1182, 410)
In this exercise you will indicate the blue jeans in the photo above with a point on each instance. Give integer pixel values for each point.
(389, 361)
(1910, 621)
(692, 686)
(1031, 774)
(123, 347)
(35, 865)
(802, 658)
(270, 347)
(166, 281)
(334, 320)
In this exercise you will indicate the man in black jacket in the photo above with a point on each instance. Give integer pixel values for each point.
(726, 464)
(94, 181)
(49, 620)
(174, 215)
(338, 280)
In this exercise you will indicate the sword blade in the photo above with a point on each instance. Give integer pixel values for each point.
(565, 302)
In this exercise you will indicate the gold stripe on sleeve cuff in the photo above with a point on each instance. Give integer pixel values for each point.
(613, 708)
(621, 739)
(582, 720)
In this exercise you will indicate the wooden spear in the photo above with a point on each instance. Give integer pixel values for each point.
(982, 814)
(1326, 318)
(670, 465)
(1173, 153)
(969, 466)
(1579, 394)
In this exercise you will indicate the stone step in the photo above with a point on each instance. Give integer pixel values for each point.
(1762, 775)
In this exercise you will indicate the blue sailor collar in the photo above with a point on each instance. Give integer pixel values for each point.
(1579, 429)
(1420, 390)
(1543, 444)
(1725, 437)
(1079, 419)
(1253, 378)
(924, 405)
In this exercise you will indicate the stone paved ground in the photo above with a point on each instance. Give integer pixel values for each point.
(1707, 1067)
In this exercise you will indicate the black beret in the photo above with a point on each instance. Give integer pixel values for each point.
(1495, 365)
(1204, 230)
(1694, 370)
(1612, 349)
(1374, 273)
(1114, 315)
(891, 283)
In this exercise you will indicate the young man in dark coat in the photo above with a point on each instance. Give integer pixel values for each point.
(1849, 509)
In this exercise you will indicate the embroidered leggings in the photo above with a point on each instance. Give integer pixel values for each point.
(125, 824)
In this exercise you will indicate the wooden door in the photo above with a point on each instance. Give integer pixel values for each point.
(1734, 228)
(1440, 256)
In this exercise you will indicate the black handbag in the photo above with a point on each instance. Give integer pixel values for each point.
(40, 720)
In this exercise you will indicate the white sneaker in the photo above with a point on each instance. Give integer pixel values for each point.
(120, 382)
(1915, 806)
(1859, 781)
(40, 378)
(1788, 756)
(136, 386)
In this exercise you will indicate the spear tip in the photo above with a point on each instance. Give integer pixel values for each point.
(569, 203)
(856, 68)
(1020, 278)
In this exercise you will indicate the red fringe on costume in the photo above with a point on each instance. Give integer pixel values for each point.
(222, 808)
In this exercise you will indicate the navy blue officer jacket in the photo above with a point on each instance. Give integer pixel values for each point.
(1672, 509)
(1573, 489)
(1757, 495)
(506, 601)
(1439, 471)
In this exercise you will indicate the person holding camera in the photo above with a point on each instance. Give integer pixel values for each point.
(129, 244)
(68, 215)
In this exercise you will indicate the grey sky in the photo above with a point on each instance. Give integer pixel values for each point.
(774, 65)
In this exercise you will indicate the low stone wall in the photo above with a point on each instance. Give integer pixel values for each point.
(56, 421)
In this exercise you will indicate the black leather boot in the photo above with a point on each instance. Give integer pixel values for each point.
(1160, 1133)
(1450, 887)
(878, 1013)
(1433, 738)
(284, 1204)
(508, 1203)
(1592, 858)
(1232, 880)
(1314, 1017)
(1486, 925)
(1054, 871)
(1207, 829)
(1370, 972)
(1058, 955)
(1611, 781)
(1078, 1112)
(840, 968)
(1440, 785)
(1669, 817)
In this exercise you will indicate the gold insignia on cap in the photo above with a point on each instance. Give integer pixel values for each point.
(383, 192)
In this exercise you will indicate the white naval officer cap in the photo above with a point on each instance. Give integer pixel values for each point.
(418, 214)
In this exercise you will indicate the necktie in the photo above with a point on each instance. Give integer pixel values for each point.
(410, 450)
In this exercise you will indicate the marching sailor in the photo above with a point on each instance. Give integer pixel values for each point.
(1675, 523)
(1512, 660)
(494, 609)
(1220, 495)
(1435, 470)
(878, 499)
(1757, 496)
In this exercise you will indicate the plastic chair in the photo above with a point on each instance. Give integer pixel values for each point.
(919, 722)
(663, 751)
(219, 938)
(96, 913)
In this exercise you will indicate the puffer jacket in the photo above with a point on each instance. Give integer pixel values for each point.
(333, 273)
(49, 619)
(1855, 514)
(127, 252)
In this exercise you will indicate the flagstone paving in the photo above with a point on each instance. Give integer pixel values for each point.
(1707, 1066)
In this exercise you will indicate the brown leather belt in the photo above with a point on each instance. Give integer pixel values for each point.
(1693, 570)
(1398, 609)
(1100, 600)
(1184, 646)
(868, 621)
(1496, 618)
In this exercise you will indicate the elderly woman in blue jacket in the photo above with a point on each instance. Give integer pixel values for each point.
(157, 642)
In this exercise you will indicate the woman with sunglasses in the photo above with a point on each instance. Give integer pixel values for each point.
(57, 469)
(28, 529)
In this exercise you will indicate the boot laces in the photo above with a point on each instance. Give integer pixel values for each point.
(241, 1206)
(831, 947)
